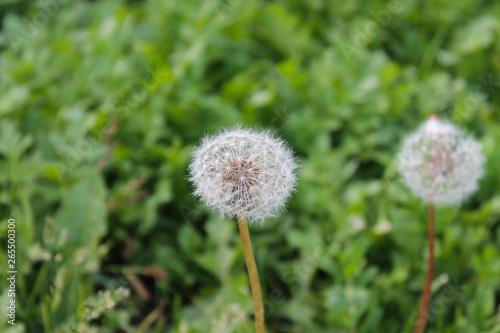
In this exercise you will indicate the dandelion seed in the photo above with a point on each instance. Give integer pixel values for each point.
(246, 174)
(441, 165)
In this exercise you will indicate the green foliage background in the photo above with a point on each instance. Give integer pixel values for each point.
(102, 102)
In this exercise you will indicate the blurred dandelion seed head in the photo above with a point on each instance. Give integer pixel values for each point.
(439, 163)
(241, 172)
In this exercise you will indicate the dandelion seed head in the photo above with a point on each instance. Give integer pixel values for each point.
(439, 163)
(241, 172)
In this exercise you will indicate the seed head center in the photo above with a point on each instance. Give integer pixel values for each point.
(441, 161)
(240, 175)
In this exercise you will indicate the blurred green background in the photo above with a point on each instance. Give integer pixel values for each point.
(102, 102)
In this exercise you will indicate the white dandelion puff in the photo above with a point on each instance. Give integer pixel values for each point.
(241, 172)
(440, 163)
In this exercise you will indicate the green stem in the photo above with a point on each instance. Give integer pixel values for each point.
(253, 275)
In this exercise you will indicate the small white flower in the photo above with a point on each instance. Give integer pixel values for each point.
(243, 173)
(440, 163)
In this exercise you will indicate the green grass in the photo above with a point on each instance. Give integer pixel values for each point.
(102, 104)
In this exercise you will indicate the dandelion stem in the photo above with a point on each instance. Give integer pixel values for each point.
(253, 275)
(426, 296)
